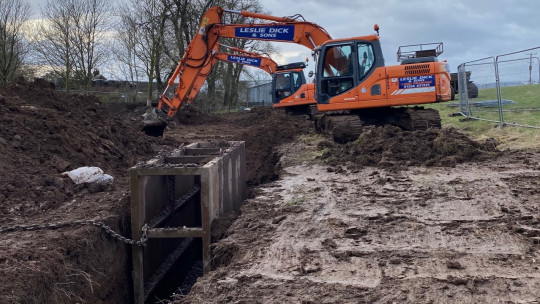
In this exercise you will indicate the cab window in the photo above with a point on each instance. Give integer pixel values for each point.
(297, 78)
(338, 69)
(283, 85)
(365, 59)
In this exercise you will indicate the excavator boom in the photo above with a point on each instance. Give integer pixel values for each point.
(197, 60)
(247, 58)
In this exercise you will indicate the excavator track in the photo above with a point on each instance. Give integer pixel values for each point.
(342, 127)
(421, 119)
(347, 126)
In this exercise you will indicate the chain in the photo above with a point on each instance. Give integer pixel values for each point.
(171, 188)
(107, 229)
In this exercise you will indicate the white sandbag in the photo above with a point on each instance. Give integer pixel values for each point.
(104, 179)
(84, 174)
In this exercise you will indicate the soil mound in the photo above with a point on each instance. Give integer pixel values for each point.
(191, 115)
(390, 146)
(264, 129)
(44, 132)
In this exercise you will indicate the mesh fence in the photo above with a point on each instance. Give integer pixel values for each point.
(475, 79)
(503, 89)
(519, 88)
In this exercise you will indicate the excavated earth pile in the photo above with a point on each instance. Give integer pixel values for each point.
(392, 147)
(43, 133)
(398, 217)
(263, 129)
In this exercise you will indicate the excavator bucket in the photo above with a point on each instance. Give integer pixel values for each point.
(153, 124)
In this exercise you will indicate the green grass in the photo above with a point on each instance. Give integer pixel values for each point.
(296, 201)
(527, 97)
(309, 152)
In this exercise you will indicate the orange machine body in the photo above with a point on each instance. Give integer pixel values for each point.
(352, 75)
(305, 95)
(391, 94)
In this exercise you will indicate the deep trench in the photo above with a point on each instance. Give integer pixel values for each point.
(181, 277)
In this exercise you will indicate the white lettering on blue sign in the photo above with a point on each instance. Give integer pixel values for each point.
(245, 60)
(417, 82)
(276, 32)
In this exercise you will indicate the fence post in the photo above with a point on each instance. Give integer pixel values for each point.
(538, 60)
(499, 95)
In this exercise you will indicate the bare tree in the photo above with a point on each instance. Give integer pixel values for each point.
(70, 38)
(230, 74)
(159, 32)
(13, 15)
(145, 19)
(53, 39)
(127, 62)
(91, 22)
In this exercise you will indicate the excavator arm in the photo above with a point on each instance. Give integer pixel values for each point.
(197, 60)
(197, 75)
(247, 58)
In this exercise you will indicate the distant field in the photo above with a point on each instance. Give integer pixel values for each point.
(525, 111)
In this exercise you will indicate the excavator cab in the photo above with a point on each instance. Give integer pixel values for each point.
(344, 65)
(286, 82)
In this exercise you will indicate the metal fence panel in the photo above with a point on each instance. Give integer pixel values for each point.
(477, 89)
(503, 89)
(464, 108)
(519, 87)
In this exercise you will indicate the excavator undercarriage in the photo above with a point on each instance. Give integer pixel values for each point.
(345, 126)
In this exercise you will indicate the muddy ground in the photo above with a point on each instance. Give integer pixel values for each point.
(393, 217)
(462, 234)
(44, 132)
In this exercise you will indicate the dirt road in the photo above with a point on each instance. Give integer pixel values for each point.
(467, 234)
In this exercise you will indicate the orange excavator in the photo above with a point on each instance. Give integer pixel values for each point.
(353, 87)
(289, 87)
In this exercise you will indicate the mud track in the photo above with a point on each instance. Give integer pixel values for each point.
(467, 234)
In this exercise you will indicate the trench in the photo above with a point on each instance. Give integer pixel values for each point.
(175, 199)
(182, 275)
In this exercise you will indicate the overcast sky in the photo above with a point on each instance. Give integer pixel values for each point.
(469, 29)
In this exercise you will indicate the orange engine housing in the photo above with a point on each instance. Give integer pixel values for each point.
(388, 86)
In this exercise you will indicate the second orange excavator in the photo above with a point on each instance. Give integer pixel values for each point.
(289, 88)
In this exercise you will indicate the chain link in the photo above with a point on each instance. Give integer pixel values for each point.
(171, 188)
(107, 229)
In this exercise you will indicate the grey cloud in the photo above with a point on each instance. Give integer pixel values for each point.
(469, 29)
